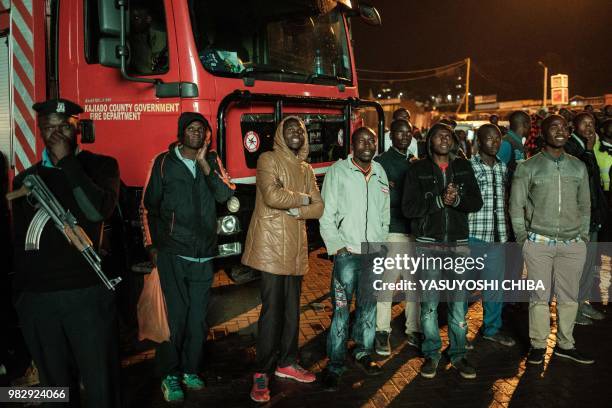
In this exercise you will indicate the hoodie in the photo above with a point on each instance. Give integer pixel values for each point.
(178, 210)
(276, 242)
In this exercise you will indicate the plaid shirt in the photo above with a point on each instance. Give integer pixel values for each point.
(543, 239)
(492, 182)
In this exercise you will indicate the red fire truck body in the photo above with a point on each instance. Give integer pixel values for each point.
(275, 58)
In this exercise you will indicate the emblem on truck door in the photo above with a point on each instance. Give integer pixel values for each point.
(251, 141)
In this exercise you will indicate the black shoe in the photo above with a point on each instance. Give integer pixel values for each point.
(368, 366)
(573, 354)
(536, 355)
(414, 339)
(501, 339)
(381, 343)
(330, 381)
(429, 368)
(465, 369)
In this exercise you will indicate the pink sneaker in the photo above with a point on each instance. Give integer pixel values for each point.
(260, 391)
(295, 372)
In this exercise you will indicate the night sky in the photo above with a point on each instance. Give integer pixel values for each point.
(505, 39)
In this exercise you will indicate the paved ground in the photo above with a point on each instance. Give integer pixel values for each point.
(503, 379)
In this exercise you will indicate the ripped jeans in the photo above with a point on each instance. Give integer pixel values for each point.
(346, 279)
(457, 326)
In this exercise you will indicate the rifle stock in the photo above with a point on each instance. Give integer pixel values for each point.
(13, 195)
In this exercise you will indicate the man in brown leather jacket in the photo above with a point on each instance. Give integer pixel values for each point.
(287, 195)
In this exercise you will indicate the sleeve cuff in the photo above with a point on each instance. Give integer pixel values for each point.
(439, 202)
(457, 201)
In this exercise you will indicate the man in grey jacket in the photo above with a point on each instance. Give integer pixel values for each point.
(357, 205)
(550, 211)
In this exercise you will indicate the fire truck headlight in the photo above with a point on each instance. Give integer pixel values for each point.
(233, 204)
(228, 225)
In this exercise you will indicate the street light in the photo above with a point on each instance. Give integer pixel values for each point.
(540, 63)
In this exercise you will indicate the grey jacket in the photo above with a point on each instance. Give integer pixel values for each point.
(356, 210)
(551, 198)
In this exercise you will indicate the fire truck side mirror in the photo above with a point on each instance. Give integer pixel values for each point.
(110, 18)
(369, 14)
(87, 130)
(107, 52)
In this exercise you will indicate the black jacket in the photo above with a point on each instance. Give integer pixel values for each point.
(88, 186)
(396, 165)
(179, 211)
(598, 198)
(431, 220)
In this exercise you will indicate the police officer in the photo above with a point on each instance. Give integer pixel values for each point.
(67, 315)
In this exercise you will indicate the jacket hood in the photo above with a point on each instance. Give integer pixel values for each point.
(455, 150)
(279, 140)
(186, 119)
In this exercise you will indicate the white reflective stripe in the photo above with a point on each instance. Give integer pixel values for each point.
(252, 179)
(23, 158)
(25, 128)
(244, 180)
(23, 60)
(26, 30)
(25, 95)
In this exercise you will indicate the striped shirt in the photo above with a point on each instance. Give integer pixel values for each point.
(489, 224)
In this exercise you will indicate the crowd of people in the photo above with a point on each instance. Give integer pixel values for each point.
(432, 197)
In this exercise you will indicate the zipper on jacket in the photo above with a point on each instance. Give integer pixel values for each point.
(559, 183)
(445, 209)
(172, 223)
(366, 214)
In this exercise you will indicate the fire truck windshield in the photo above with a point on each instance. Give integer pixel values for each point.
(304, 50)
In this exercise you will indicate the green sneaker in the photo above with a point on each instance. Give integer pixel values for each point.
(193, 382)
(172, 389)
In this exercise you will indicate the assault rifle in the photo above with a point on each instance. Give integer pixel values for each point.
(50, 209)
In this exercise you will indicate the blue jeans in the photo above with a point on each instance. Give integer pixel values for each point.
(492, 300)
(347, 279)
(457, 326)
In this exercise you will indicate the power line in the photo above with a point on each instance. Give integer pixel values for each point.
(391, 80)
(417, 71)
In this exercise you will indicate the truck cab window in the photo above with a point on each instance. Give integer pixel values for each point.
(272, 41)
(147, 38)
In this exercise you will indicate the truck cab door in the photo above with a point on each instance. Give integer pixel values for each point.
(132, 123)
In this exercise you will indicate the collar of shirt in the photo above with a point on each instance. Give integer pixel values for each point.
(46, 159)
(478, 159)
(191, 164)
(516, 137)
(579, 140)
(405, 156)
(549, 157)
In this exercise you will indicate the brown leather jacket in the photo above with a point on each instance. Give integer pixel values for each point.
(276, 241)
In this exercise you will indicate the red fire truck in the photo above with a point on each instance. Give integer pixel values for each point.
(135, 66)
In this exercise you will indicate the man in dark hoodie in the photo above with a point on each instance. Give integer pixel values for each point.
(180, 228)
(581, 145)
(439, 193)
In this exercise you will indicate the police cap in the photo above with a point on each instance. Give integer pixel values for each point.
(61, 106)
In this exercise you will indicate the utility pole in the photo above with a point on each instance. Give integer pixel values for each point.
(545, 83)
(467, 86)
(466, 97)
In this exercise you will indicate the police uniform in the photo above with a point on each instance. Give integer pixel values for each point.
(67, 315)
